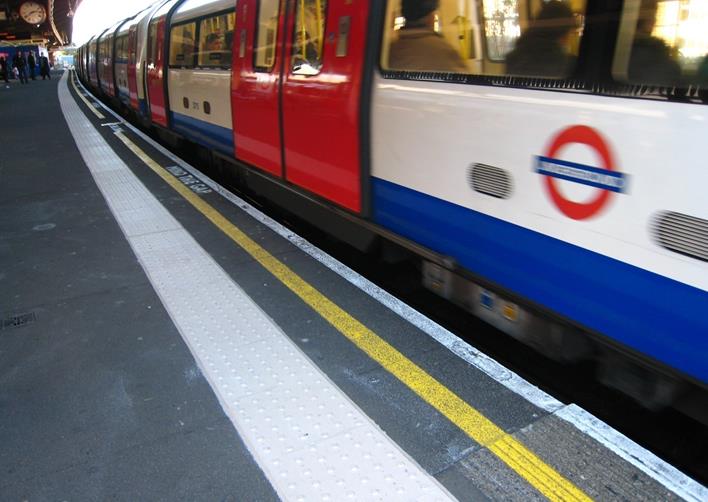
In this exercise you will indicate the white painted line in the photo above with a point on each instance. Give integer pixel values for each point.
(639, 457)
(312, 442)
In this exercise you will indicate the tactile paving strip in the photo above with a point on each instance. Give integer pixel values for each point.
(309, 438)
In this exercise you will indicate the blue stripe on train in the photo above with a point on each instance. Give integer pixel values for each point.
(204, 133)
(660, 317)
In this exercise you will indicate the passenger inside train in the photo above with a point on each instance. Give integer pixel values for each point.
(216, 40)
(541, 51)
(663, 44)
(419, 47)
(309, 37)
(491, 37)
(652, 60)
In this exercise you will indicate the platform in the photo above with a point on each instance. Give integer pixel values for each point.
(162, 339)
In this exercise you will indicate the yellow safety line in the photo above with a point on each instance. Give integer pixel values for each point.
(91, 107)
(524, 462)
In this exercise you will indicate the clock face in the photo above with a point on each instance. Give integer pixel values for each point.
(33, 12)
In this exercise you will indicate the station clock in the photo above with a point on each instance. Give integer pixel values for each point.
(33, 12)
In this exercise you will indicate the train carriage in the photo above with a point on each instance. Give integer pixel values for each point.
(199, 77)
(545, 156)
(106, 61)
(120, 66)
(552, 193)
(92, 64)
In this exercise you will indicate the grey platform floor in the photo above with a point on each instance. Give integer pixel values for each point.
(99, 397)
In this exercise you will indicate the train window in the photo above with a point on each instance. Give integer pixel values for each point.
(308, 38)
(122, 48)
(527, 38)
(216, 35)
(663, 42)
(103, 51)
(182, 40)
(502, 27)
(266, 34)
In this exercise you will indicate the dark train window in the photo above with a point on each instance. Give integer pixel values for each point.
(152, 44)
(528, 38)
(104, 54)
(122, 48)
(182, 45)
(308, 38)
(266, 34)
(663, 42)
(216, 35)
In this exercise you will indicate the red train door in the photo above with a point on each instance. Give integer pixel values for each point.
(321, 88)
(255, 83)
(156, 73)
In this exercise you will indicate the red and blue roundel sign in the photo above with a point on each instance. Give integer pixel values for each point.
(605, 177)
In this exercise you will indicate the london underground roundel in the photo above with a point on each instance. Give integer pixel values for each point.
(605, 177)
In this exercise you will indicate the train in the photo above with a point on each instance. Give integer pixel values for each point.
(544, 161)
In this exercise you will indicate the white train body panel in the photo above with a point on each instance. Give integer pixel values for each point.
(660, 146)
(206, 118)
(606, 272)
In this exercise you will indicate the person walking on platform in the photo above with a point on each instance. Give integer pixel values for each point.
(3, 72)
(32, 63)
(21, 65)
(44, 68)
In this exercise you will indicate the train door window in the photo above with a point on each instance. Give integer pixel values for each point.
(152, 44)
(133, 54)
(266, 34)
(182, 39)
(527, 38)
(663, 43)
(308, 37)
(216, 36)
